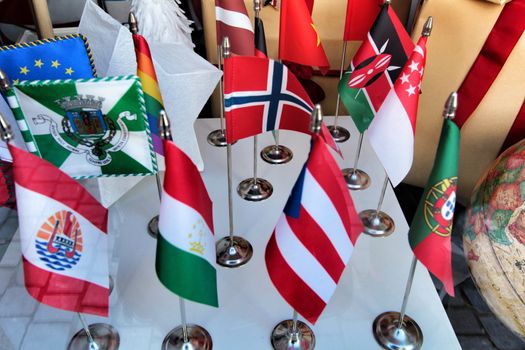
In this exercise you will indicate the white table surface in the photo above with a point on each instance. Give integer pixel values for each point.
(144, 311)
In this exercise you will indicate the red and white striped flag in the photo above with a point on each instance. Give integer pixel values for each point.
(392, 131)
(232, 21)
(63, 232)
(315, 236)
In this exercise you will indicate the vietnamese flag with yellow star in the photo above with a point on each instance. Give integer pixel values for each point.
(63, 57)
(299, 41)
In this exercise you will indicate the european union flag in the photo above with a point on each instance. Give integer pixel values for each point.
(64, 57)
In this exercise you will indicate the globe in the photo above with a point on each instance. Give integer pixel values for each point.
(494, 237)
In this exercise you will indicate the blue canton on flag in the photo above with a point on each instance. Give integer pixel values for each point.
(66, 57)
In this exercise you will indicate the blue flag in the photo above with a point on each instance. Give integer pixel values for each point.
(65, 57)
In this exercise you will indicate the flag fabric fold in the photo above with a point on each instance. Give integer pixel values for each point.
(375, 68)
(150, 86)
(429, 234)
(260, 39)
(185, 261)
(299, 41)
(391, 132)
(360, 15)
(315, 236)
(63, 233)
(232, 21)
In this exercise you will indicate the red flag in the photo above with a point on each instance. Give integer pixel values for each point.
(63, 233)
(232, 21)
(315, 236)
(360, 15)
(7, 185)
(299, 41)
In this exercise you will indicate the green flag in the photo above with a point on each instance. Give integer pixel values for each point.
(431, 228)
(87, 127)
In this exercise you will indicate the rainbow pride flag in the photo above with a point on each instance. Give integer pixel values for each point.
(150, 86)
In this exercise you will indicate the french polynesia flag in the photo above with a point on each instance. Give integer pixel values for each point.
(315, 236)
(63, 231)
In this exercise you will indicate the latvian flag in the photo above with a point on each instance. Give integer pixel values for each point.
(392, 131)
(314, 237)
(63, 231)
(185, 261)
(375, 68)
(232, 21)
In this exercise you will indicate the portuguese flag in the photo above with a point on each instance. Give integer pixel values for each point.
(185, 261)
(375, 68)
(431, 228)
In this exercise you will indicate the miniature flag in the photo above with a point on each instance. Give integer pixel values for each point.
(262, 95)
(63, 57)
(260, 39)
(375, 68)
(299, 41)
(233, 21)
(7, 185)
(185, 260)
(431, 228)
(314, 237)
(87, 128)
(391, 133)
(360, 16)
(150, 85)
(63, 232)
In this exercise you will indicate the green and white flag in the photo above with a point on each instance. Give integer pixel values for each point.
(88, 127)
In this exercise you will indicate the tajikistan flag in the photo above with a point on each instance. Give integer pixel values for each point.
(63, 233)
(392, 131)
(185, 261)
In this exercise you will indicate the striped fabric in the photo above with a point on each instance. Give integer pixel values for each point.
(314, 237)
(233, 21)
(63, 233)
(150, 86)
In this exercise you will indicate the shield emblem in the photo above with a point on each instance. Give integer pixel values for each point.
(87, 123)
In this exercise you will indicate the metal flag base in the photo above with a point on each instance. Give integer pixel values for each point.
(153, 227)
(282, 337)
(233, 255)
(105, 336)
(217, 138)
(339, 133)
(390, 336)
(255, 189)
(357, 179)
(377, 223)
(198, 339)
(276, 154)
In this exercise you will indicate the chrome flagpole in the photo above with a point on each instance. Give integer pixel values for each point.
(377, 223)
(217, 137)
(231, 251)
(339, 133)
(355, 178)
(295, 334)
(185, 336)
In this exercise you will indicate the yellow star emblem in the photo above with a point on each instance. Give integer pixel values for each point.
(69, 71)
(24, 70)
(39, 63)
(318, 37)
(16, 81)
(55, 64)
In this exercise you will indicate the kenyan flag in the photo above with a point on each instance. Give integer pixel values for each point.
(431, 228)
(375, 67)
(88, 127)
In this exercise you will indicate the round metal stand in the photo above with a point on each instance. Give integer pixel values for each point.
(105, 336)
(357, 179)
(217, 138)
(276, 154)
(377, 223)
(339, 133)
(255, 190)
(233, 255)
(390, 336)
(282, 337)
(153, 227)
(198, 339)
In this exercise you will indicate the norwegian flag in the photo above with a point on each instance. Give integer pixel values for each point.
(261, 95)
(314, 237)
(392, 131)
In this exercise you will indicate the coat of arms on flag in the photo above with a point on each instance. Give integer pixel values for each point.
(87, 128)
